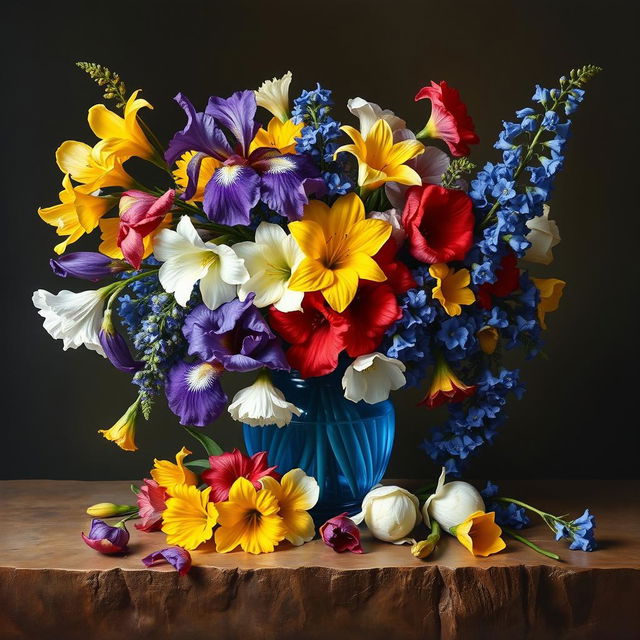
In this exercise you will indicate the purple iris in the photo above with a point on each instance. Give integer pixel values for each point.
(105, 538)
(86, 265)
(177, 557)
(236, 335)
(245, 178)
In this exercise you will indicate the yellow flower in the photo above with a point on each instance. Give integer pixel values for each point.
(379, 159)
(551, 290)
(278, 135)
(296, 493)
(93, 167)
(169, 475)
(190, 517)
(273, 95)
(109, 228)
(338, 243)
(249, 519)
(488, 339)
(122, 137)
(77, 213)
(452, 287)
(480, 534)
(123, 432)
(207, 169)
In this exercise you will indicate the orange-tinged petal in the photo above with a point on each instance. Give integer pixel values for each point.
(310, 237)
(311, 275)
(343, 290)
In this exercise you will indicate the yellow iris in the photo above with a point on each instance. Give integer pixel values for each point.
(109, 228)
(78, 213)
(379, 159)
(551, 290)
(169, 475)
(452, 288)
(249, 519)
(190, 517)
(207, 168)
(480, 534)
(338, 243)
(123, 432)
(278, 135)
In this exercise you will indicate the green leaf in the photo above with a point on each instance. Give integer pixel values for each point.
(198, 465)
(135, 489)
(210, 446)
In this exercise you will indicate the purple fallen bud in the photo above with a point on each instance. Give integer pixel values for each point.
(177, 557)
(341, 534)
(105, 538)
(87, 265)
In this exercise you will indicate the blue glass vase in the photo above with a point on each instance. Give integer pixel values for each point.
(345, 446)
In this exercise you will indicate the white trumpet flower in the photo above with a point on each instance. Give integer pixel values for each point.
(273, 95)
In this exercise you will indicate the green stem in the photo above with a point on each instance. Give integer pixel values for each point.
(115, 288)
(535, 547)
(132, 516)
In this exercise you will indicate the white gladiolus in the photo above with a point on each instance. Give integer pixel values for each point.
(452, 503)
(273, 95)
(543, 236)
(372, 377)
(390, 513)
(74, 318)
(394, 218)
(369, 112)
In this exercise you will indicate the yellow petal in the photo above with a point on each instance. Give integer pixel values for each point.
(402, 151)
(379, 143)
(403, 174)
(368, 236)
(310, 237)
(73, 157)
(358, 142)
(299, 491)
(311, 275)
(316, 211)
(227, 538)
(190, 517)
(342, 291)
(169, 475)
(109, 235)
(298, 525)
(365, 267)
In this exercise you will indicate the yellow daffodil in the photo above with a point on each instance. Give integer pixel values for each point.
(92, 167)
(551, 290)
(379, 159)
(190, 517)
(169, 475)
(488, 339)
(207, 169)
(278, 135)
(122, 137)
(273, 95)
(338, 243)
(123, 432)
(452, 287)
(78, 213)
(109, 228)
(296, 493)
(480, 534)
(249, 519)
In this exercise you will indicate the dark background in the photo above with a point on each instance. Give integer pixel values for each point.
(577, 418)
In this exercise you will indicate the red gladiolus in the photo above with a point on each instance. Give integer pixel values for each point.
(398, 274)
(316, 335)
(228, 467)
(341, 534)
(449, 120)
(151, 503)
(446, 386)
(507, 281)
(439, 223)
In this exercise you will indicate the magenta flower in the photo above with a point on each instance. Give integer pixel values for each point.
(107, 539)
(177, 557)
(151, 503)
(341, 534)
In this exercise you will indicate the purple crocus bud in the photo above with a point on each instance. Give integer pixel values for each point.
(87, 265)
(341, 534)
(177, 557)
(115, 347)
(107, 539)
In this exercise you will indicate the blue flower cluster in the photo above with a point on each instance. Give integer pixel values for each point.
(318, 137)
(508, 514)
(580, 531)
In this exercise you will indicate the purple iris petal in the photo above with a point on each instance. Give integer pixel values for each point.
(236, 113)
(231, 194)
(194, 393)
(116, 349)
(105, 538)
(87, 265)
(177, 557)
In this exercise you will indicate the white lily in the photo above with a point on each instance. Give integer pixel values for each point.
(372, 377)
(369, 112)
(270, 261)
(394, 218)
(544, 236)
(262, 404)
(74, 318)
(273, 95)
(188, 259)
(452, 503)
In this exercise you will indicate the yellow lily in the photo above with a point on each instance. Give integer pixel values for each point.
(123, 432)
(122, 137)
(338, 243)
(452, 287)
(207, 169)
(551, 290)
(278, 135)
(109, 229)
(77, 213)
(379, 159)
(480, 534)
(169, 475)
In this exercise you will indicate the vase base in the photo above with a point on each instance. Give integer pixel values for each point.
(325, 511)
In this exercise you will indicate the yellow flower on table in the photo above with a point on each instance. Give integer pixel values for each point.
(278, 135)
(190, 517)
(379, 159)
(123, 432)
(207, 169)
(480, 534)
(169, 475)
(338, 243)
(249, 519)
(452, 287)
(551, 290)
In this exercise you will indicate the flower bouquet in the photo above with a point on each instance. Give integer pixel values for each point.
(338, 263)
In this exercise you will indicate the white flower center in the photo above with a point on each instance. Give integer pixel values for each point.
(201, 377)
(227, 175)
(280, 165)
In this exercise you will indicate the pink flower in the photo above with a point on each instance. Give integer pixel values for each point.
(140, 214)
(177, 557)
(151, 503)
(228, 467)
(341, 534)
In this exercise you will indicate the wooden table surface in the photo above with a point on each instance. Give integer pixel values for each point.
(53, 586)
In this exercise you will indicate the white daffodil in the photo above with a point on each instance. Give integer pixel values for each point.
(270, 261)
(371, 377)
(394, 218)
(544, 236)
(369, 112)
(262, 404)
(390, 513)
(452, 503)
(273, 95)
(74, 318)
(188, 259)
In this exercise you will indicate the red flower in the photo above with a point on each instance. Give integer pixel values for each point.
(341, 534)
(508, 280)
(449, 119)
(439, 223)
(151, 503)
(228, 467)
(316, 335)
(398, 275)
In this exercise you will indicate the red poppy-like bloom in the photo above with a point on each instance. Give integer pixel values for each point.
(228, 467)
(446, 386)
(316, 335)
(449, 120)
(398, 274)
(507, 281)
(151, 503)
(439, 223)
